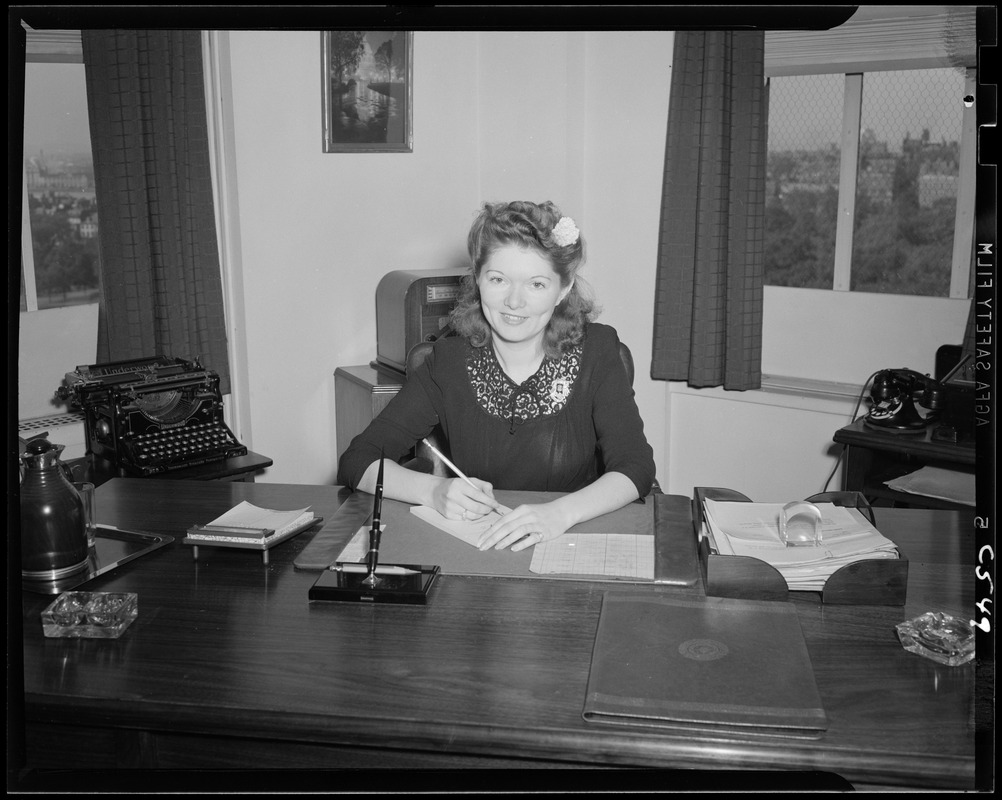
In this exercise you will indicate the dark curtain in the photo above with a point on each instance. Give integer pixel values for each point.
(161, 289)
(708, 301)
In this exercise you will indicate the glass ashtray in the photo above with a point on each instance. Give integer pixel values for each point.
(90, 615)
(944, 639)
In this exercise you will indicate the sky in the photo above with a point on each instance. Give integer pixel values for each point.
(59, 123)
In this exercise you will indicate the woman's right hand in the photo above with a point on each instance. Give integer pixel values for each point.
(454, 498)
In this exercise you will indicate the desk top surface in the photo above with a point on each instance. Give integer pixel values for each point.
(493, 666)
(99, 470)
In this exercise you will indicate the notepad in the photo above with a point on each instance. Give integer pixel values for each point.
(249, 523)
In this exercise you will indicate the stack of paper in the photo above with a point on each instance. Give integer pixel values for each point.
(248, 523)
(943, 484)
(752, 529)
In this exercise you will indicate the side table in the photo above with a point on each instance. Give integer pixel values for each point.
(873, 457)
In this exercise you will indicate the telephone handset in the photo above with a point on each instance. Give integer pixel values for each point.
(893, 395)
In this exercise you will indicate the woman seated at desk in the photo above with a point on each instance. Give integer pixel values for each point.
(531, 394)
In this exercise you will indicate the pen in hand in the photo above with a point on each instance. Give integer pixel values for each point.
(459, 474)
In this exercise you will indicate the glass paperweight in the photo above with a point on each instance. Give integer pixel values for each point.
(90, 615)
(944, 639)
(800, 524)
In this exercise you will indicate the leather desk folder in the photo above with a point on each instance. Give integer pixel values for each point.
(871, 582)
(703, 663)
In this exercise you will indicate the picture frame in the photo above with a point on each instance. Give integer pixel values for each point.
(367, 91)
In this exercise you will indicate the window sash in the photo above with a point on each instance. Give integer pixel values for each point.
(41, 47)
(883, 38)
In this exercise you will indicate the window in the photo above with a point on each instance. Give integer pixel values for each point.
(864, 181)
(871, 154)
(60, 260)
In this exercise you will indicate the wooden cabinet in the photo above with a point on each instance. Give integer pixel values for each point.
(360, 393)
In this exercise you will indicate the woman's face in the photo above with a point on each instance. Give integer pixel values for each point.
(518, 291)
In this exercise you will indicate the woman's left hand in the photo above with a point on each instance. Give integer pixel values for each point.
(525, 526)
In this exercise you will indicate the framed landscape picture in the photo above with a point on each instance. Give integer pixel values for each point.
(367, 91)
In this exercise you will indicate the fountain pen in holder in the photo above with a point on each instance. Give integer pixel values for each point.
(391, 583)
(372, 558)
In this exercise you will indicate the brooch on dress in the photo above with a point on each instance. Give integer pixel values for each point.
(560, 389)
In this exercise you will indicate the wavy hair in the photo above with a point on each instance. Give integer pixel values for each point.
(529, 226)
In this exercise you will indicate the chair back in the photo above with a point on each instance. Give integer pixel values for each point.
(425, 460)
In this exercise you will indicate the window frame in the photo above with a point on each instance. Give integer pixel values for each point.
(882, 38)
(963, 227)
(42, 47)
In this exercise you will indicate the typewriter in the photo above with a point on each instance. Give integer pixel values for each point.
(151, 415)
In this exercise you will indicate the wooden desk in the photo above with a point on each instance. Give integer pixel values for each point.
(230, 666)
(873, 457)
(238, 468)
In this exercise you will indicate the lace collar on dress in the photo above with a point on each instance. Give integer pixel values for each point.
(543, 394)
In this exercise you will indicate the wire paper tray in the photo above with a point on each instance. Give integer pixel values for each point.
(868, 582)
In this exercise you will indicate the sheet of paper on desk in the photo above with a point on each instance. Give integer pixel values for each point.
(619, 555)
(943, 484)
(468, 531)
(358, 547)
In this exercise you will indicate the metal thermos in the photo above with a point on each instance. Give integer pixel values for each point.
(53, 522)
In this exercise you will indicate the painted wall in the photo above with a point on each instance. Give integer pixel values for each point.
(570, 117)
(578, 118)
(496, 116)
(319, 230)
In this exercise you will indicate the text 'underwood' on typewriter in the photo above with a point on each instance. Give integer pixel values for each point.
(152, 415)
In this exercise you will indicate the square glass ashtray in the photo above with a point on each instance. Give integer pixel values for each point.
(938, 636)
(90, 615)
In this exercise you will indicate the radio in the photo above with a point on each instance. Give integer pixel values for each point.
(413, 306)
(152, 415)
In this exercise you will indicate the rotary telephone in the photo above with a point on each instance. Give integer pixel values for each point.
(893, 395)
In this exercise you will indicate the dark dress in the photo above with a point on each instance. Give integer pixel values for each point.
(559, 430)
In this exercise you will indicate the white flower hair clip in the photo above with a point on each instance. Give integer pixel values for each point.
(565, 232)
